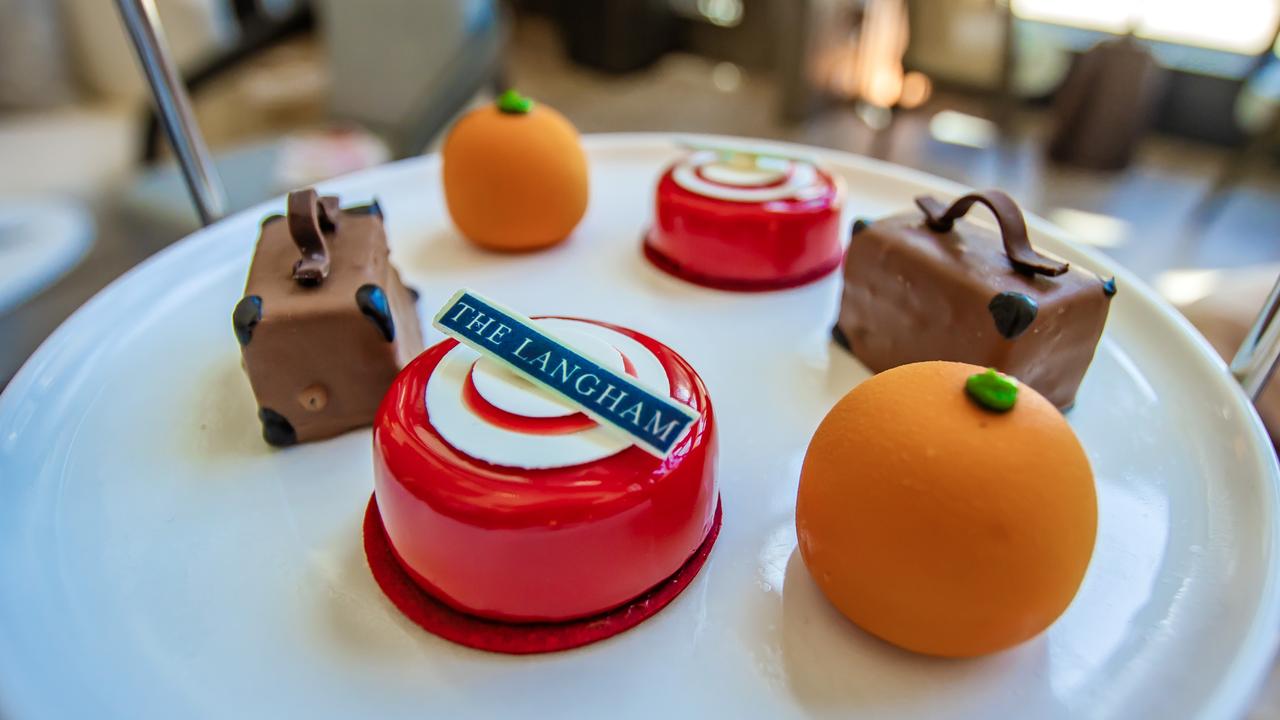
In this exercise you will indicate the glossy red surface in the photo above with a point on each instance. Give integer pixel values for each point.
(744, 246)
(420, 606)
(540, 545)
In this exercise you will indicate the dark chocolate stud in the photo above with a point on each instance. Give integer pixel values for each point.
(838, 336)
(372, 301)
(859, 225)
(1013, 312)
(276, 430)
(413, 293)
(373, 208)
(1109, 287)
(245, 317)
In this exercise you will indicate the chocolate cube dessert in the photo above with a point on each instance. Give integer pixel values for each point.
(325, 323)
(926, 285)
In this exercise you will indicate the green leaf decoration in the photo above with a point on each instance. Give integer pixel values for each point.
(513, 103)
(992, 390)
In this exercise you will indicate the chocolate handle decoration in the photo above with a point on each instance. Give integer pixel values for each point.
(310, 217)
(1013, 228)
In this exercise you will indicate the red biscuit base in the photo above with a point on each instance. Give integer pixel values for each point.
(744, 246)
(516, 638)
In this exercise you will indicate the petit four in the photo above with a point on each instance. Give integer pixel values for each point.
(947, 509)
(743, 221)
(562, 473)
(325, 323)
(927, 285)
(515, 175)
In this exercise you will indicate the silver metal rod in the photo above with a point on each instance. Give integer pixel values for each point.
(174, 107)
(1256, 359)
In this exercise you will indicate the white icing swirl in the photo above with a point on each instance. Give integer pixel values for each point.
(475, 436)
(770, 179)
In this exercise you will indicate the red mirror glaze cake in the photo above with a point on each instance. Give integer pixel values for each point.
(505, 502)
(741, 221)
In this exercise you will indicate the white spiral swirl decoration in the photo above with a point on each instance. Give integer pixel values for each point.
(473, 435)
(768, 179)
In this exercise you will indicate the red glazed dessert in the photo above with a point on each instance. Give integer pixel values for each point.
(746, 222)
(506, 503)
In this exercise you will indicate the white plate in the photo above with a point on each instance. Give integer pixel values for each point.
(158, 560)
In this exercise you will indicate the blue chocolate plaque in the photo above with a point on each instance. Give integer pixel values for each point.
(652, 421)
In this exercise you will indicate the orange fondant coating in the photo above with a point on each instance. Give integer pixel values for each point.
(515, 182)
(942, 527)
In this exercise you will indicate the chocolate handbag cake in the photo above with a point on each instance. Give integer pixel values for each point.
(927, 285)
(325, 323)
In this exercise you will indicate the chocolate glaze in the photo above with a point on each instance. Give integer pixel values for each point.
(322, 355)
(912, 294)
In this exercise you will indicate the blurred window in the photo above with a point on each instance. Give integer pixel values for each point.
(1240, 26)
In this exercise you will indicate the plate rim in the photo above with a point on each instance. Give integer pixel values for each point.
(1242, 678)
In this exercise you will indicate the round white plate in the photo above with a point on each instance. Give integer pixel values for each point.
(158, 560)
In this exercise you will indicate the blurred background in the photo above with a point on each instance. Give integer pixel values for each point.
(1147, 128)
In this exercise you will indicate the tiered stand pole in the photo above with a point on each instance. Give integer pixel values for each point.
(1256, 359)
(174, 107)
